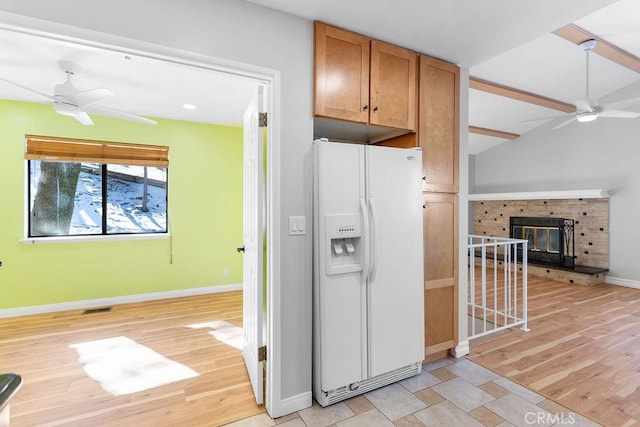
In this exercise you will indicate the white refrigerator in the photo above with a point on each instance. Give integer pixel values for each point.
(368, 328)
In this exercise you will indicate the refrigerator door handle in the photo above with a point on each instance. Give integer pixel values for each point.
(365, 237)
(373, 239)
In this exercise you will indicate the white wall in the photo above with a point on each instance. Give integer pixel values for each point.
(604, 154)
(472, 182)
(242, 32)
(464, 180)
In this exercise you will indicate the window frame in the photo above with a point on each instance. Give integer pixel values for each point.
(104, 163)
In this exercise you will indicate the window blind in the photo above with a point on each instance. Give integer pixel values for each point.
(50, 148)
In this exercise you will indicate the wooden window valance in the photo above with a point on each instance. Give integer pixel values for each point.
(50, 148)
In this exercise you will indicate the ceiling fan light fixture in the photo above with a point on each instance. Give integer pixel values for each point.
(587, 116)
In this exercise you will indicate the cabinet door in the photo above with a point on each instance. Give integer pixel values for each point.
(341, 74)
(440, 272)
(393, 86)
(439, 102)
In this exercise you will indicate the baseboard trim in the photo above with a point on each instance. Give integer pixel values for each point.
(622, 282)
(78, 305)
(293, 404)
(461, 350)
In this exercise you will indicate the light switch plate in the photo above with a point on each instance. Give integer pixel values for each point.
(297, 226)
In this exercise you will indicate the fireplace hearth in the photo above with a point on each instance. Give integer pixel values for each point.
(551, 240)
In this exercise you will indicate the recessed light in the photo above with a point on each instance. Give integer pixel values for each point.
(189, 106)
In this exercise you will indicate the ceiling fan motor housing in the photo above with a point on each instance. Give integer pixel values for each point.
(588, 44)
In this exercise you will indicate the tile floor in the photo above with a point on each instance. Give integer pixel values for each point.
(448, 392)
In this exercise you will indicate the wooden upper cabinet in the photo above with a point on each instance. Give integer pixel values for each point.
(393, 86)
(363, 80)
(438, 134)
(341, 74)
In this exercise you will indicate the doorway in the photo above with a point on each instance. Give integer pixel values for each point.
(86, 48)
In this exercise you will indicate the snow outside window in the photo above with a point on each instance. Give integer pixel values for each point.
(84, 198)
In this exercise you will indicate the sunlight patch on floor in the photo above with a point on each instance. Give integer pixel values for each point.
(223, 331)
(122, 366)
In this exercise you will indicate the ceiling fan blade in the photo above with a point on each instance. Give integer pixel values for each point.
(110, 112)
(565, 123)
(622, 104)
(84, 118)
(28, 88)
(88, 96)
(620, 114)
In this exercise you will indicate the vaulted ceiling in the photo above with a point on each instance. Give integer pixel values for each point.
(518, 65)
(508, 44)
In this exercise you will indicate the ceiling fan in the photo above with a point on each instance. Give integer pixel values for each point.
(68, 100)
(587, 111)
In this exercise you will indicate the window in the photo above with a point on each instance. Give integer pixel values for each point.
(82, 187)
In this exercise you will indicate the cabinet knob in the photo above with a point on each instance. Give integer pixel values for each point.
(375, 108)
(424, 178)
(365, 108)
(424, 206)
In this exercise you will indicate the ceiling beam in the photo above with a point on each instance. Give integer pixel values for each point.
(577, 35)
(492, 132)
(519, 95)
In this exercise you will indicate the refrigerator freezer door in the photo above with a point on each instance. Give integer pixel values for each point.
(339, 297)
(396, 284)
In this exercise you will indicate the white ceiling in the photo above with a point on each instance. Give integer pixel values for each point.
(464, 32)
(503, 41)
(141, 85)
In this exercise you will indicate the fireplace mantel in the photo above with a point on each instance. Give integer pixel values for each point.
(542, 195)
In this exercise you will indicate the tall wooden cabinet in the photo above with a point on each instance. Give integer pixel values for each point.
(363, 80)
(438, 137)
(366, 81)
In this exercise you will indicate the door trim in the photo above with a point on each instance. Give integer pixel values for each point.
(268, 77)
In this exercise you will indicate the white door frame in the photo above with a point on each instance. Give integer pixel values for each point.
(271, 79)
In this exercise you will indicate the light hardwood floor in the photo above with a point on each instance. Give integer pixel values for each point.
(57, 392)
(583, 350)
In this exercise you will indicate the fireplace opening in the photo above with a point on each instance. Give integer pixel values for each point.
(550, 240)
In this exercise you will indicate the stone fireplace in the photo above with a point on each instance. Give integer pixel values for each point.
(578, 252)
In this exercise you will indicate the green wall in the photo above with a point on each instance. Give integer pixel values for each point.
(205, 214)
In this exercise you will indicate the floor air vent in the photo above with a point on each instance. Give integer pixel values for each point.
(97, 310)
